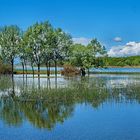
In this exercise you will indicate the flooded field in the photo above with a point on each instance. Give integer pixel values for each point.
(70, 108)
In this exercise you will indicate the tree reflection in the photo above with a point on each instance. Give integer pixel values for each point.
(46, 107)
(44, 115)
(40, 113)
(10, 113)
(5, 84)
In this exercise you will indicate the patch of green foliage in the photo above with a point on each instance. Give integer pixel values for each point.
(123, 61)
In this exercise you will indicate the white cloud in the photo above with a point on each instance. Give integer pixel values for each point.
(117, 39)
(81, 40)
(130, 49)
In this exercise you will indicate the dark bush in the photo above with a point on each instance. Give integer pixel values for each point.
(70, 70)
(5, 69)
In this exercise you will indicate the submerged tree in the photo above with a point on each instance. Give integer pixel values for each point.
(48, 45)
(36, 42)
(88, 56)
(23, 54)
(61, 47)
(26, 52)
(42, 44)
(10, 37)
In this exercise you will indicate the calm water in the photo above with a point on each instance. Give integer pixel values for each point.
(99, 107)
(42, 68)
(132, 70)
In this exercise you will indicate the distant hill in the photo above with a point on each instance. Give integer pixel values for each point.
(123, 61)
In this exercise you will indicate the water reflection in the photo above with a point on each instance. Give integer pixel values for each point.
(47, 102)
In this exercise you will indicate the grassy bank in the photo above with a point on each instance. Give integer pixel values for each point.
(35, 72)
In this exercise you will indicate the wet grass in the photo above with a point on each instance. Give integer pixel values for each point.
(35, 72)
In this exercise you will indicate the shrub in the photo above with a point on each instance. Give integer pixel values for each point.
(69, 70)
(5, 69)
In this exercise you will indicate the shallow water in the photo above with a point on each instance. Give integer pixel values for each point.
(129, 70)
(100, 107)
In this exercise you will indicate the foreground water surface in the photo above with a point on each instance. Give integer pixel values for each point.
(100, 107)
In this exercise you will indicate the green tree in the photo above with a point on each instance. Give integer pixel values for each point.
(10, 37)
(88, 56)
(77, 55)
(48, 45)
(26, 51)
(61, 46)
(37, 42)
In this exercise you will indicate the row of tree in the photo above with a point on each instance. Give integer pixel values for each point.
(123, 61)
(41, 44)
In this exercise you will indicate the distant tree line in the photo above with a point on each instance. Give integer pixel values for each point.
(123, 61)
(42, 44)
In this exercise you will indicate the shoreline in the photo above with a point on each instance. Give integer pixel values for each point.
(123, 67)
(18, 72)
(45, 73)
(131, 73)
(104, 67)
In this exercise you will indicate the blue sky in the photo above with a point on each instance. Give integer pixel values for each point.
(103, 19)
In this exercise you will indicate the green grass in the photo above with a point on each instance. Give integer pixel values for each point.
(35, 72)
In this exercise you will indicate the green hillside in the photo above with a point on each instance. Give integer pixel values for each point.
(123, 61)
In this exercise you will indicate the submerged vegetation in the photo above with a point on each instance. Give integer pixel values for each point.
(46, 106)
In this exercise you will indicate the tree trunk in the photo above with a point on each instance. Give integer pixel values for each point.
(23, 69)
(38, 70)
(55, 64)
(33, 70)
(13, 87)
(12, 63)
(47, 66)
